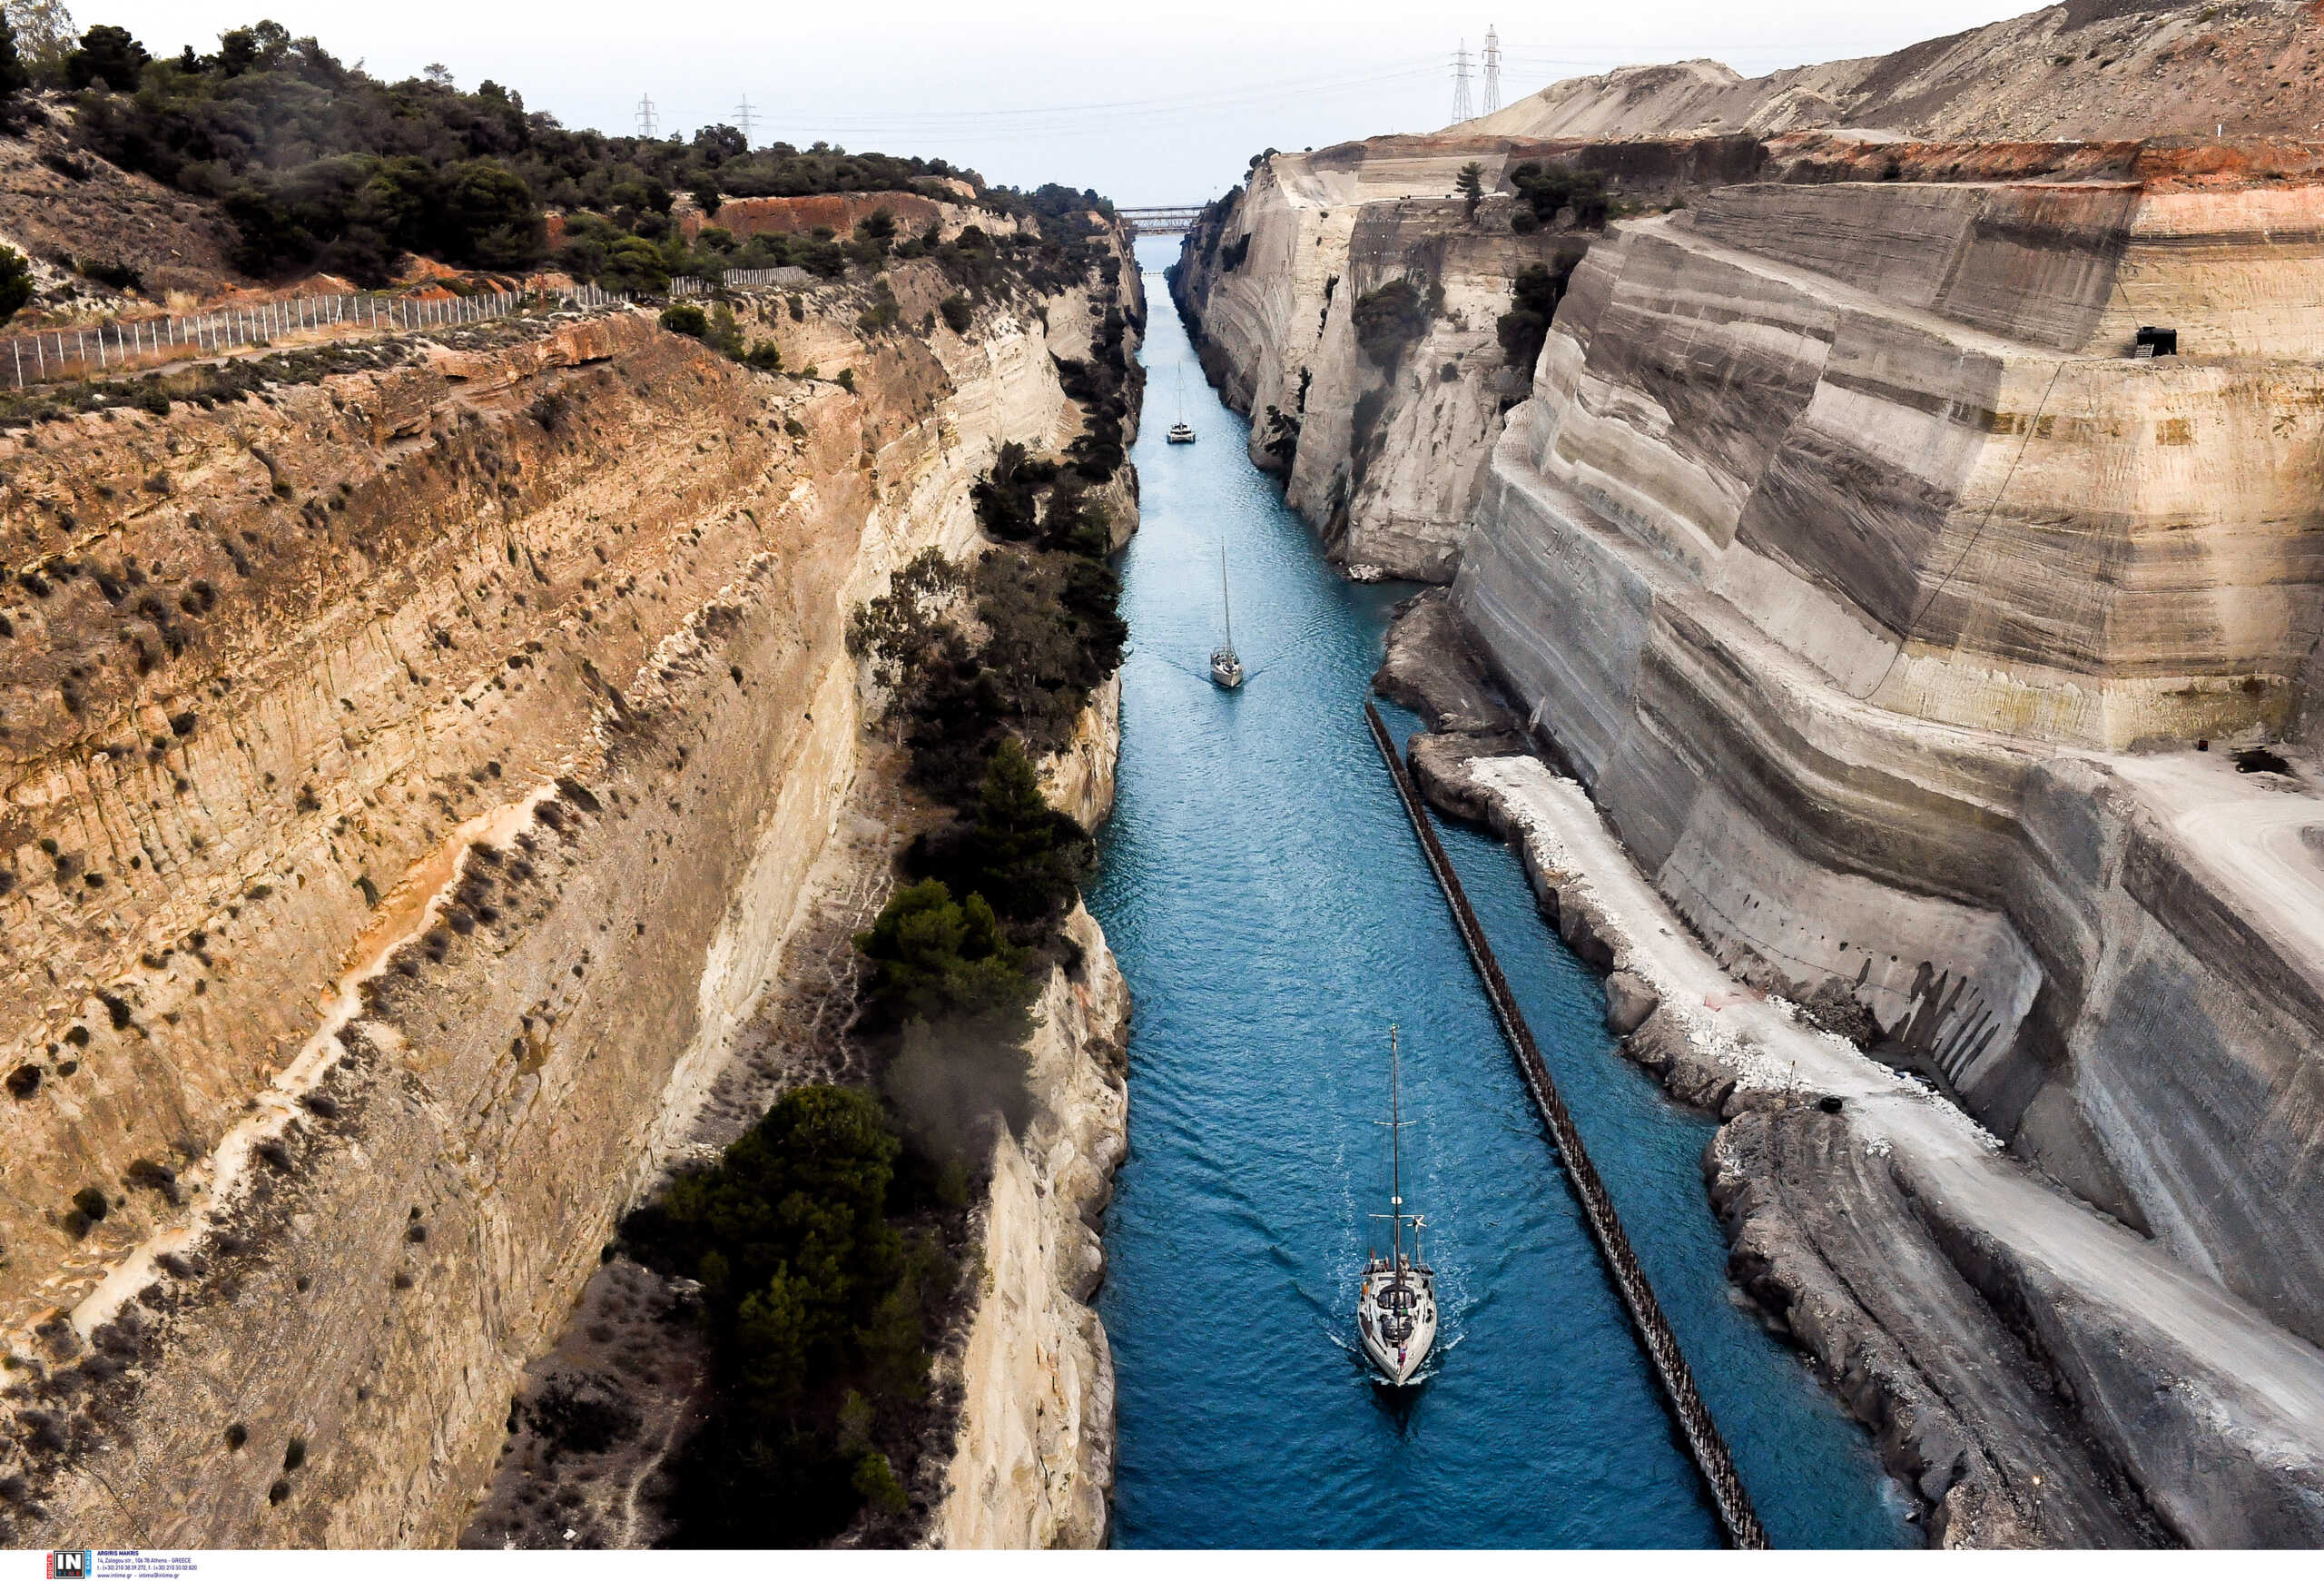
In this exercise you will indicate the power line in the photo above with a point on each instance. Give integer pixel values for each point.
(1492, 69)
(649, 125)
(1461, 109)
(743, 118)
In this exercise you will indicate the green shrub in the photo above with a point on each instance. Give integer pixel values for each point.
(820, 1313)
(1534, 299)
(1547, 188)
(957, 313)
(1389, 320)
(683, 318)
(1011, 849)
(723, 335)
(881, 314)
(1006, 499)
(935, 959)
(15, 283)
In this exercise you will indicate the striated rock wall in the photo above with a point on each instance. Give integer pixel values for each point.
(2037, 1373)
(1901, 624)
(413, 781)
(1033, 1465)
(1888, 672)
(1386, 460)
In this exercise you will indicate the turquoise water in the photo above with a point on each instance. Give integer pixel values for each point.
(1272, 914)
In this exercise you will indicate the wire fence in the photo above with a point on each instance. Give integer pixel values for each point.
(128, 344)
(1738, 1520)
(686, 285)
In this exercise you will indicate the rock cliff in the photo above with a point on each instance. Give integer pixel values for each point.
(416, 778)
(2084, 69)
(1033, 1465)
(1385, 454)
(1893, 672)
(1944, 664)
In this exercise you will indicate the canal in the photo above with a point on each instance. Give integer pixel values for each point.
(1273, 915)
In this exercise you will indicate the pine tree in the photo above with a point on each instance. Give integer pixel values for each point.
(1472, 185)
(13, 78)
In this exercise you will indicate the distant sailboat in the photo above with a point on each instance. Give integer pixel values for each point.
(1180, 433)
(1396, 1311)
(1226, 670)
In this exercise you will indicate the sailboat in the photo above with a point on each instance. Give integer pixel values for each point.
(1396, 1311)
(1226, 670)
(1180, 433)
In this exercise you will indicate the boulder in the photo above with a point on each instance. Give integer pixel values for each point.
(1629, 1000)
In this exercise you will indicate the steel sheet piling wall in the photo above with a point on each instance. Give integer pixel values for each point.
(1709, 1451)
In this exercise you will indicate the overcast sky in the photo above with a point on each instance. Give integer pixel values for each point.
(1159, 103)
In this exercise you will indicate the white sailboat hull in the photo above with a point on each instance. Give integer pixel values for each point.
(1396, 1318)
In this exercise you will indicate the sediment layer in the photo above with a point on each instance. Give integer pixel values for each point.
(417, 776)
(1899, 619)
(1033, 1463)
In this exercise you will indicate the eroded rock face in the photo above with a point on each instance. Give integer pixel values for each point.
(1033, 1466)
(416, 778)
(2079, 70)
(1831, 660)
(1884, 603)
(1385, 454)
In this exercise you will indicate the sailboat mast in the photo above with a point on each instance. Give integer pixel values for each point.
(1396, 1153)
(1226, 601)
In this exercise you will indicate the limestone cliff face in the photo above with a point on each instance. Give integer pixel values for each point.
(1034, 1461)
(1881, 599)
(413, 779)
(1079, 779)
(1850, 559)
(1032, 1464)
(1385, 461)
(1876, 670)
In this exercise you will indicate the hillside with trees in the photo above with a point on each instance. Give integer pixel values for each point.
(318, 165)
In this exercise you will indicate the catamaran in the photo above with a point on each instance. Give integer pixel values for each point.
(1180, 433)
(1396, 1311)
(1226, 670)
